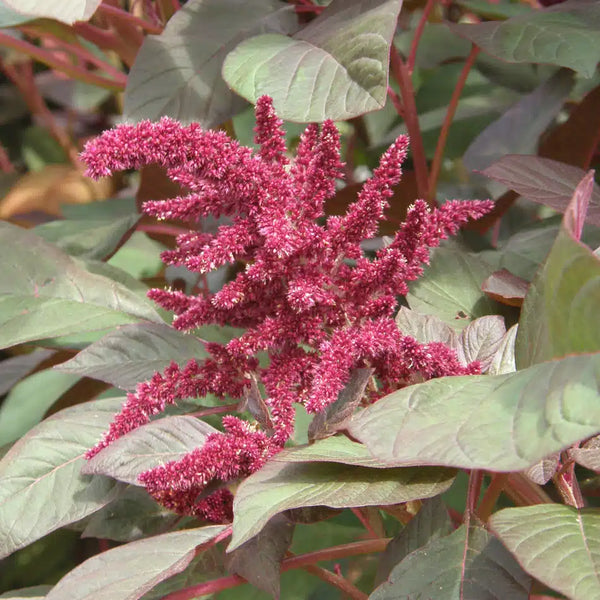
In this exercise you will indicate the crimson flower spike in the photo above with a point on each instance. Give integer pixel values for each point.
(305, 292)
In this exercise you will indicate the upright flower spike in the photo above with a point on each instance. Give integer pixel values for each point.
(304, 292)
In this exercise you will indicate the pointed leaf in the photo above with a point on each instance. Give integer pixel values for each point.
(133, 353)
(564, 35)
(94, 239)
(499, 423)
(279, 486)
(178, 73)
(588, 454)
(558, 545)
(45, 293)
(41, 488)
(15, 368)
(469, 563)
(129, 571)
(481, 339)
(450, 288)
(544, 181)
(149, 446)
(334, 68)
(37, 592)
(431, 523)
(559, 314)
(259, 559)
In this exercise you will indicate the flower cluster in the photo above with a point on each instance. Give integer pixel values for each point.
(306, 294)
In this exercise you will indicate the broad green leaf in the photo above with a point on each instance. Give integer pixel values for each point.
(334, 68)
(566, 35)
(40, 149)
(543, 180)
(139, 256)
(128, 572)
(41, 488)
(431, 523)
(559, 545)
(517, 131)
(149, 446)
(133, 353)
(497, 10)
(178, 73)
(67, 11)
(499, 423)
(450, 288)
(45, 293)
(96, 238)
(112, 208)
(280, 486)
(559, 314)
(468, 564)
(133, 515)
(28, 401)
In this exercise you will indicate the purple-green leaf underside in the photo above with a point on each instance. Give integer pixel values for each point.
(41, 487)
(499, 423)
(280, 486)
(129, 571)
(469, 564)
(559, 545)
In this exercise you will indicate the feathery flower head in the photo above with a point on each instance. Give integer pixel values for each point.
(306, 293)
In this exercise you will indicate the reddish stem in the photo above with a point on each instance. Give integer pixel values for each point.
(48, 58)
(418, 32)
(522, 491)
(365, 522)
(215, 410)
(473, 491)
(337, 581)
(162, 229)
(452, 106)
(411, 118)
(107, 40)
(119, 13)
(296, 562)
(491, 495)
(5, 165)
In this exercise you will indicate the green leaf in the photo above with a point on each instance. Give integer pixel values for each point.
(281, 485)
(139, 256)
(28, 401)
(425, 328)
(41, 488)
(10, 17)
(67, 12)
(94, 239)
(178, 73)
(544, 181)
(149, 446)
(431, 523)
(566, 35)
(557, 544)
(468, 564)
(559, 314)
(499, 10)
(132, 516)
(499, 423)
(45, 293)
(133, 353)
(450, 287)
(40, 149)
(334, 68)
(504, 360)
(129, 571)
